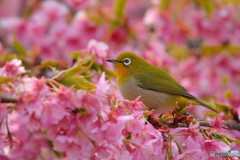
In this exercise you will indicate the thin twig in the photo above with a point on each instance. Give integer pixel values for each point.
(92, 141)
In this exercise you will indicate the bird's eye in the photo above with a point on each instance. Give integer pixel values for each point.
(127, 61)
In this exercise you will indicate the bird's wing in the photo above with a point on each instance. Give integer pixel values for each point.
(161, 83)
(158, 80)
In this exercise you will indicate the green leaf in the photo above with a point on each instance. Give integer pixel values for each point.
(54, 70)
(49, 63)
(222, 107)
(225, 80)
(74, 55)
(228, 94)
(78, 81)
(101, 68)
(213, 50)
(128, 137)
(58, 154)
(179, 52)
(237, 141)
(76, 76)
(6, 79)
(82, 111)
(207, 5)
(119, 13)
(166, 118)
(220, 137)
(230, 139)
(19, 47)
(119, 8)
(234, 2)
(165, 3)
(78, 68)
(7, 57)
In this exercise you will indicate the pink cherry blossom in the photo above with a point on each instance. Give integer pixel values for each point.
(78, 4)
(2, 142)
(191, 154)
(1, 48)
(30, 149)
(50, 12)
(217, 124)
(15, 7)
(4, 157)
(196, 43)
(12, 68)
(31, 94)
(3, 111)
(134, 123)
(150, 16)
(146, 150)
(192, 138)
(213, 146)
(99, 49)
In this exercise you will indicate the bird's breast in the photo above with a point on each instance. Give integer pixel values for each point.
(161, 102)
(129, 89)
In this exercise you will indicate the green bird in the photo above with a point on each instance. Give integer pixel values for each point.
(158, 90)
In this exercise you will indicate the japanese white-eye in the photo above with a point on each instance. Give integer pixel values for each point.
(158, 90)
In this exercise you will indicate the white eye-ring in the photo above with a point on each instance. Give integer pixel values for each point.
(127, 61)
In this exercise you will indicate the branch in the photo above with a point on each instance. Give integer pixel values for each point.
(5, 99)
(228, 125)
(231, 125)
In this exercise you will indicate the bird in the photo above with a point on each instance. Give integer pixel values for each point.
(156, 88)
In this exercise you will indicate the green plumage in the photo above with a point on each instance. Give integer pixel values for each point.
(163, 82)
(150, 78)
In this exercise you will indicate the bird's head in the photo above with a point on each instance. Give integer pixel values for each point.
(127, 63)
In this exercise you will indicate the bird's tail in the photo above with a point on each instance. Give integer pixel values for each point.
(203, 104)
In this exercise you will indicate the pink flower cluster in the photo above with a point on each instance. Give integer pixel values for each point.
(46, 124)
(214, 77)
(48, 29)
(58, 122)
(221, 27)
(12, 69)
(77, 125)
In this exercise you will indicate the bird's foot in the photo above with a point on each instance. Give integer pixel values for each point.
(180, 110)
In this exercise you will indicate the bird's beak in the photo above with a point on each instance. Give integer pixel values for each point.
(112, 60)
